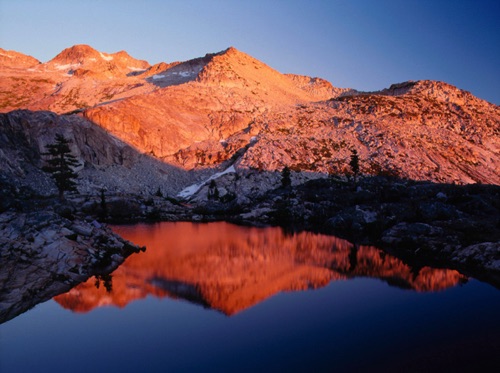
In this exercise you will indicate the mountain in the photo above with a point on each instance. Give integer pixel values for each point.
(77, 77)
(81, 60)
(228, 108)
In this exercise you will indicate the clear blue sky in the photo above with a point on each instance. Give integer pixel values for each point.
(362, 44)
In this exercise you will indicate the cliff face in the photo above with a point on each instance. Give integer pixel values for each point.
(231, 268)
(229, 108)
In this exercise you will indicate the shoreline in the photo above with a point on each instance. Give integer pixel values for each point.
(48, 247)
(44, 254)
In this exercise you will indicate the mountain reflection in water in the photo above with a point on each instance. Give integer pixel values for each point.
(230, 268)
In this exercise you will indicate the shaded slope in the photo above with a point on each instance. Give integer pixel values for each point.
(106, 161)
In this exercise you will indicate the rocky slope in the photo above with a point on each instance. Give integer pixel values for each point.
(107, 163)
(16, 60)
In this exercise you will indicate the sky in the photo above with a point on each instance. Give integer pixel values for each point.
(363, 44)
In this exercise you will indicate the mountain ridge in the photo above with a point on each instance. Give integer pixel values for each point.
(230, 108)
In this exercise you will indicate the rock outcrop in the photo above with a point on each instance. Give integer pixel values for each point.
(44, 254)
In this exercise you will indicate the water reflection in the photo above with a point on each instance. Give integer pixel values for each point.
(230, 268)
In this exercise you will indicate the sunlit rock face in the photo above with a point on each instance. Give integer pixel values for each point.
(225, 106)
(231, 268)
(76, 78)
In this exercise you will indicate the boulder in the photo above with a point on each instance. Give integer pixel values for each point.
(84, 230)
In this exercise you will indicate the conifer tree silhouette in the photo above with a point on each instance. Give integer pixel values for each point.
(61, 164)
(286, 179)
(354, 163)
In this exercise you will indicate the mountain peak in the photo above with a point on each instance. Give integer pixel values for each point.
(236, 69)
(76, 54)
(231, 51)
(82, 56)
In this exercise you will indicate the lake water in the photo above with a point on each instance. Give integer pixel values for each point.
(223, 298)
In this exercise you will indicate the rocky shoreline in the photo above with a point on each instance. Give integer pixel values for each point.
(44, 254)
(441, 225)
(424, 223)
(48, 246)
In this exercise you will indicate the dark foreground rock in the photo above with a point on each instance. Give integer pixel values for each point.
(43, 254)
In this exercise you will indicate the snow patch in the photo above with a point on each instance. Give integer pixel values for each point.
(155, 77)
(6, 55)
(184, 74)
(106, 58)
(67, 66)
(192, 189)
(135, 68)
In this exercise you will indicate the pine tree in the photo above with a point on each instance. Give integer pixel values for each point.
(61, 165)
(286, 180)
(354, 163)
(159, 193)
